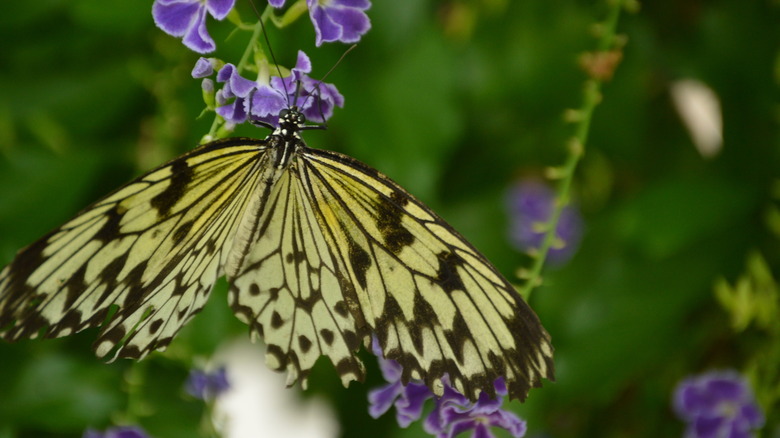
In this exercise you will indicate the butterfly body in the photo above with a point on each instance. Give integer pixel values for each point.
(321, 251)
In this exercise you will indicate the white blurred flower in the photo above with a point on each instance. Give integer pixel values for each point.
(259, 404)
(700, 111)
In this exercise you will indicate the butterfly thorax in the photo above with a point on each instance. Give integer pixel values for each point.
(286, 139)
(283, 144)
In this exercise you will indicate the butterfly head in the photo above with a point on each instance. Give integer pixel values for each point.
(291, 121)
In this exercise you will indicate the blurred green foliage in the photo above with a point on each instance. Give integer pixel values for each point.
(454, 100)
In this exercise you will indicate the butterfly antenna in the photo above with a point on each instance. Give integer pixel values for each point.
(320, 81)
(268, 44)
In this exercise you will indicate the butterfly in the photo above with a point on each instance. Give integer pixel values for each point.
(321, 251)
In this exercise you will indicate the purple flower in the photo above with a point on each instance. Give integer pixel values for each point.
(717, 404)
(408, 400)
(530, 206)
(187, 19)
(207, 386)
(204, 67)
(339, 20)
(262, 100)
(455, 414)
(117, 432)
(276, 3)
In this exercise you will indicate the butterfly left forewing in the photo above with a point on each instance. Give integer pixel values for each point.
(152, 249)
(435, 303)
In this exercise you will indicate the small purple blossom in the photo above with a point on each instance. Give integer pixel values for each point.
(117, 432)
(717, 405)
(187, 19)
(276, 3)
(530, 204)
(204, 67)
(241, 99)
(339, 20)
(408, 400)
(453, 412)
(207, 386)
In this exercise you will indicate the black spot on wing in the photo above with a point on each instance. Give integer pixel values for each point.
(297, 257)
(424, 317)
(360, 261)
(304, 343)
(156, 324)
(276, 320)
(181, 176)
(18, 296)
(182, 232)
(307, 304)
(110, 230)
(457, 336)
(74, 286)
(395, 235)
(110, 273)
(136, 292)
(327, 336)
(342, 309)
(447, 275)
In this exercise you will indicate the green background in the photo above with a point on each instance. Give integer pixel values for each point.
(455, 100)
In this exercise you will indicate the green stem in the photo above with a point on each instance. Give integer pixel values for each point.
(134, 381)
(591, 98)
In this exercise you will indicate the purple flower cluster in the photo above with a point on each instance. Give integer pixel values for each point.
(717, 405)
(117, 432)
(530, 204)
(453, 412)
(207, 385)
(334, 20)
(241, 99)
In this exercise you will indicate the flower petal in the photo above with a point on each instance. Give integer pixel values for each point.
(354, 23)
(234, 112)
(197, 37)
(219, 8)
(325, 29)
(382, 398)
(357, 4)
(266, 101)
(707, 427)
(175, 18)
(203, 68)
(408, 408)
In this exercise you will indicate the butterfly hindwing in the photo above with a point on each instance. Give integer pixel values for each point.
(435, 303)
(153, 249)
(291, 292)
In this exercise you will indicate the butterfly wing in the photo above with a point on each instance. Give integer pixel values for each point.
(290, 291)
(435, 303)
(152, 249)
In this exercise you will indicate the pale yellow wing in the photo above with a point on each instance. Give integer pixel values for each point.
(290, 291)
(435, 303)
(151, 251)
